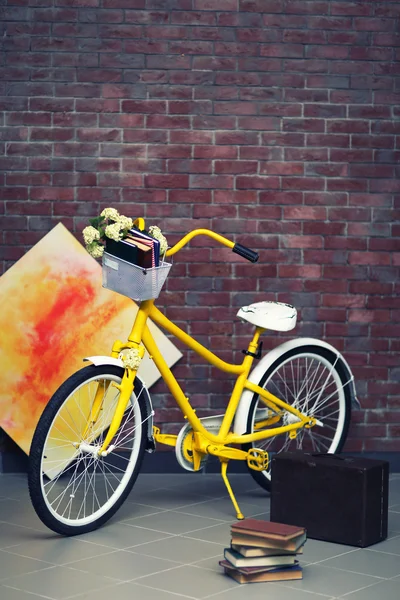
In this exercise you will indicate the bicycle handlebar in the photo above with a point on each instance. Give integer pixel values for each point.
(237, 248)
(245, 252)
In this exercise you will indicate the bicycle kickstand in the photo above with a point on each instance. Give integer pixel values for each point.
(224, 467)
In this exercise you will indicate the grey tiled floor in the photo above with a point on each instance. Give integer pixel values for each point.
(165, 543)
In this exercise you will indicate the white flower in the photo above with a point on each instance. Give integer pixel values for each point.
(125, 222)
(90, 234)
(113, 232)
(110, 213)
(131, 358)
(95, 250)
(155, 232)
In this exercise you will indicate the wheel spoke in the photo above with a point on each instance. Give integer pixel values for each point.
(77, 486)
(311, 383)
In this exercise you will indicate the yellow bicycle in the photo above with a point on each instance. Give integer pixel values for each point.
(89, 444)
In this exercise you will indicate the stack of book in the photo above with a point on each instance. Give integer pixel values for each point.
(263, 551)
(138, 247)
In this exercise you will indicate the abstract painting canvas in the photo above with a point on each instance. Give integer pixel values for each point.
(54, 312)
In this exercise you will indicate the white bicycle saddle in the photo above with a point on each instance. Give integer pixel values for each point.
(270, 315)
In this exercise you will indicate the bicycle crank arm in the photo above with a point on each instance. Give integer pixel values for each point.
(228, 453)
(257, 459)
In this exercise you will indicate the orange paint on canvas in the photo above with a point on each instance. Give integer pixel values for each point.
(54, 312)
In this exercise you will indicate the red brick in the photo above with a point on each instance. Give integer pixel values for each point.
(306, 95)
(189, 166)
(281, 168)
(303, 271)
(330, 140)
(347, 126)
(326, 111)
(304, 241)
(235, 197)
(215, 152)
(237, 166)
(167, 122)
(190, 137)
(302, 183)
(254, 182)
(194, 196)
(260, 153)
(212, 122)
(212, 181)
(167, 151)
(369, 258)
(236, 138)
(327, 170)
(166, 181)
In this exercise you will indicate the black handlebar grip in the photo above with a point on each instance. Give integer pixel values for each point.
(245, 252)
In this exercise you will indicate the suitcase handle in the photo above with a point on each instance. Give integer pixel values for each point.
(336, 456)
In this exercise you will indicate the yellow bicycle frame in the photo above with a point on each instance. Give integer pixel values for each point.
(203, 441)
(140, 334)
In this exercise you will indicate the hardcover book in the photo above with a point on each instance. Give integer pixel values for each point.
(237, 560)
(267, 529)
(259, 542)
(248, 551)
(258, 574)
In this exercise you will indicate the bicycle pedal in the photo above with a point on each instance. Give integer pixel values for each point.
(257, 459)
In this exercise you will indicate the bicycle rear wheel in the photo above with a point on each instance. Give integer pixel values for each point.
(310, 379)
(73, 490)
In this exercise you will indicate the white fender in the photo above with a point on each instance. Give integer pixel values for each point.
(117, 362)
(104, 360)
(240, 422)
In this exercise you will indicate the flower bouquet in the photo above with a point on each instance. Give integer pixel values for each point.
(109, 229)
(133, 259)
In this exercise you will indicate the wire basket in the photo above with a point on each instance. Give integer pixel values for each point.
(130, 280)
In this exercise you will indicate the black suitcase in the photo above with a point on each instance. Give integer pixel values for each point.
(336, 498)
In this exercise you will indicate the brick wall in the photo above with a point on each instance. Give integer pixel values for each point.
(273, 122)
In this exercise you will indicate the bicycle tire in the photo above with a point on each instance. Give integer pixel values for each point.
(45, 446)
(263, 478)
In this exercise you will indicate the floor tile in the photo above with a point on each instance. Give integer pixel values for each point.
(21, 512)
(367, 562)
(316, 550)
(58, 550)
(221, 534)
(391, 545)
(209, 563)
(173, 522)
(182, 549)
(221, 508)
(123, 566)
(12, 565)
(268, 591)
(59, 582)
(128, 591)
(132, 510)
(325, 580)
(192, 581)
(169, 498)
(384, 590)
(394, 521)
(12, 535)
(120, 536)
(7, 593)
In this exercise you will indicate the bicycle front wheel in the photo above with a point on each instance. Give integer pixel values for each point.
(310, 379)
(72, 488)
